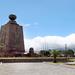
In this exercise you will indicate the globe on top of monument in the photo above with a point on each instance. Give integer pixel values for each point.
(12, 17)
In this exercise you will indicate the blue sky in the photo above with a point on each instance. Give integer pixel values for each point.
(41, 17)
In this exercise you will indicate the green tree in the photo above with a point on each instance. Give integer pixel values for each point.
(45, 53)
(41, 52)
(69, 52)
(65, 52)
(55, 53)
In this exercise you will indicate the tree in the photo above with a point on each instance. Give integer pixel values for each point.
(55, 54)
(45, 53)
(42, 53)
(65, 52)
(69, 52)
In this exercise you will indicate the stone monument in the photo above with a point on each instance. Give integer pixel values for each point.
(11, 38)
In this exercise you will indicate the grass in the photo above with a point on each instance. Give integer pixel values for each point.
(72, 59)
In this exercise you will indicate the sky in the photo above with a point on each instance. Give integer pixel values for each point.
(42, 20)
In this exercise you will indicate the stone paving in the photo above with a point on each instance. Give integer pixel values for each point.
(36, 69)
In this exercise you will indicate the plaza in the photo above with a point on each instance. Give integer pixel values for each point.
(45, 68)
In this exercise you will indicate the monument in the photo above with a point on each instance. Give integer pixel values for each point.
(11, 38)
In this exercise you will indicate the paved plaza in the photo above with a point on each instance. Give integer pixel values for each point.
(36, 69)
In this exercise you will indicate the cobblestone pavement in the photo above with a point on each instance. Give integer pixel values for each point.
(36, 69)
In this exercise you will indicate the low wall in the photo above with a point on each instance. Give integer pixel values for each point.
(30, 59)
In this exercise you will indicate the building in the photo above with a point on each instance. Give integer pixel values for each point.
(11, 38)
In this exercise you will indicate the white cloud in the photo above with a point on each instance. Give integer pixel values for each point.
(50, 42)
(27, 25)
(36, 23)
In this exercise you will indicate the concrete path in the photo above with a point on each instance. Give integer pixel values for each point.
(36, 69)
